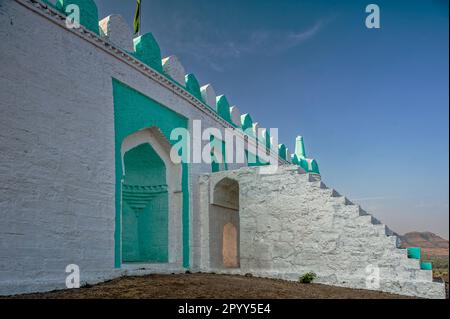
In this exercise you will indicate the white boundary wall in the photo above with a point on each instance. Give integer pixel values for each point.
(292, 224)
(57, 149)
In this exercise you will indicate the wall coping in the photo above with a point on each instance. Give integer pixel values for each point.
(59, 19)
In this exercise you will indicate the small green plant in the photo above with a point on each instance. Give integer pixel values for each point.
(307, 278)
(86, 285)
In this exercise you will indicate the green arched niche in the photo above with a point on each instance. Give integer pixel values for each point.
(145, 207)
(133, 112)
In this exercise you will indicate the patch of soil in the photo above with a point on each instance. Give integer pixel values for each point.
(209, 286)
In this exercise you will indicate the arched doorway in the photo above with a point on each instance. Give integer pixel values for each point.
(224, 225)
(151, 200)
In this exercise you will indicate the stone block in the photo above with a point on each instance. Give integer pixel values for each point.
(173, 68)
(209, 96)
(235, 116)
(115, 29)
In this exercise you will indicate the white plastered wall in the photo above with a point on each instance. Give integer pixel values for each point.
(291, 224)
(57, 144)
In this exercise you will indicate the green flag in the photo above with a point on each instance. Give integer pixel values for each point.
(137, 18)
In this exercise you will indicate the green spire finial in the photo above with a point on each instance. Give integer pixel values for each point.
(300, 147)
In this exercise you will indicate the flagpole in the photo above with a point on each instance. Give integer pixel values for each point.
(140, 19)
(137, 19)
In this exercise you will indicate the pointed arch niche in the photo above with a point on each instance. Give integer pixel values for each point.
(224, 225)
(151, 229)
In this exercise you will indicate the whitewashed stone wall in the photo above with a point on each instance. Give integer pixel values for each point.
(57, 175)
(291, 224)
(57, 169)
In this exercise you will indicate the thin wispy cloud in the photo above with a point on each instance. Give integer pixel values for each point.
(216, 48)
(274, 42)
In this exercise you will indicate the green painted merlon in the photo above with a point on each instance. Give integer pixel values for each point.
(300, 162)
(308, 164)
(282, 151)
(88, 12)
(51, 5)
(293, 159)
(425, 265)
(314, 167)
(223, 108)
(414, 252)
(192, 86)
(147, 50)
(247, 123)
(299, 157)
(299, 147)
(304, 164)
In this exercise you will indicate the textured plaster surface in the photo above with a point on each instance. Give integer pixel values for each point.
(57, 154)
(291, 224)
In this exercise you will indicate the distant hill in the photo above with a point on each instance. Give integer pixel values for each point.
(431, 244)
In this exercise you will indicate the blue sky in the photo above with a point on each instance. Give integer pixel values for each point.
(372, 105)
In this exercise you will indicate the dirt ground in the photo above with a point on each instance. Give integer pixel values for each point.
(209, 286)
